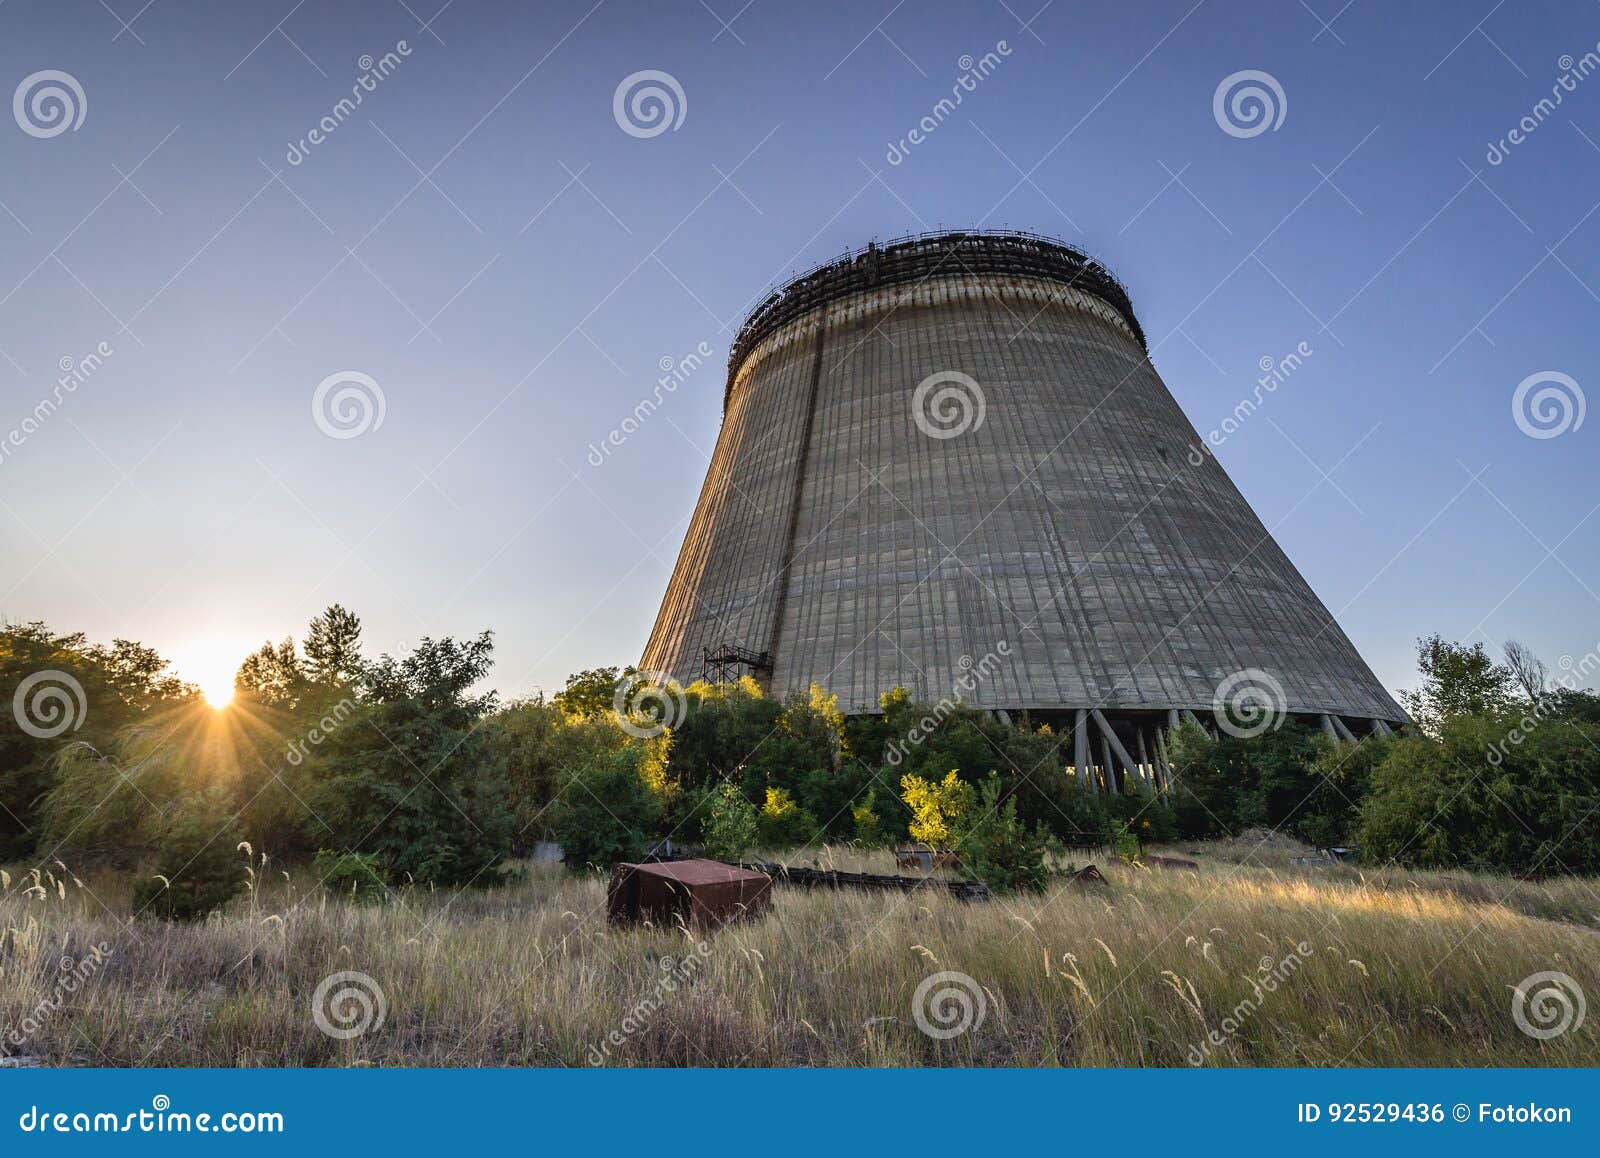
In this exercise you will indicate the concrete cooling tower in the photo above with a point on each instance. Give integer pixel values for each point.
(948, 465)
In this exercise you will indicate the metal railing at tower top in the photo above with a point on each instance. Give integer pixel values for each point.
(1005, 253)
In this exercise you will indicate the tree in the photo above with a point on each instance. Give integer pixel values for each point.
(333, 648)
(607, 811)
(784, 823)
(731, 825)
(272, 676)
(997, 848)
(71, 692)
(591, 694)
(936, 808)
(416, 780)
(199, 867)
(1226, 784)
(724, 732)
(1527, 669)
(539, 742)
(1497, 793)
(1456, 681)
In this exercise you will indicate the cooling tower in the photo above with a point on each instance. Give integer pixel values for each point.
(947, 464)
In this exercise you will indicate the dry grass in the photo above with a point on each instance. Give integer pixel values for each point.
(1400, 971)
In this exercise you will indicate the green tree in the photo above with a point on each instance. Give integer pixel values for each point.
(1456, 681)
(591, 694)
(333, 648)
(607, 812)
(539, 742)
(1501, 792)
(199, 864)
(58, 691)
(417, 781)
(996, 847)
(731, 825)
(784, 823)
(273, 676)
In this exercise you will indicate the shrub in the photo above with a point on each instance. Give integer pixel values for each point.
(1474, 798)
(936, 808)
(1150, 819)
(784, 823)
(352, 874)
(198, 867)
(416, 781)
(868, 828)
(997, 848)
(1125, 843)
(731, 825)
(608, 813)
(539, 740)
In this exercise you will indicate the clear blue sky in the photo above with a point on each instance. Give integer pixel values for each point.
(484, 241)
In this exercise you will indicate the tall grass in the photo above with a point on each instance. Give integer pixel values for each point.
(1386, 970)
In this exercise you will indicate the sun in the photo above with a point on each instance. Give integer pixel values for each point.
(210, 662)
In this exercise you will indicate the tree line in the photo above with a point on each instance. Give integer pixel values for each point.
(401, 769)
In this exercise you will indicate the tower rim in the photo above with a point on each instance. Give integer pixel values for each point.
(925, 256)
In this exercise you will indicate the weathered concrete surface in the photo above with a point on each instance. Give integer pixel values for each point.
(1065, 551)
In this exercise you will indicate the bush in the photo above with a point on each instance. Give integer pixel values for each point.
(1477, 798)
(731, 825)
(416, 781)
(539, 739)
(784, 823)
(608, 813)
(868, 827)
(353, 875)
(198, 867)
(1148, 819)
(997, 848)
(1224, 785)
(936, 808)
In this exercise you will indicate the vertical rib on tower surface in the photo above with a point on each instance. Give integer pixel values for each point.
(1040, 514)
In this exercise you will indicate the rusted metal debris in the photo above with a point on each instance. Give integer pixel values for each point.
(926, 859)
(1328, 856)
(1088, 875)
(811, 878)
(701, 893)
